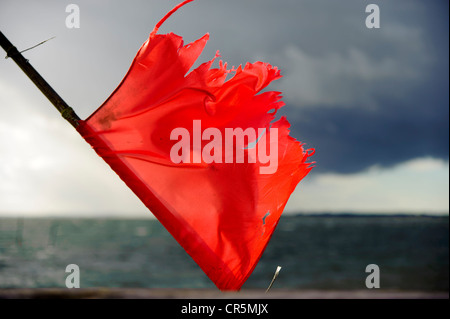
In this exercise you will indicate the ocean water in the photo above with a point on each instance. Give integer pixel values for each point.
(315, 252)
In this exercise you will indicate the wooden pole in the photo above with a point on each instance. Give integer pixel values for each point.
(66, 111)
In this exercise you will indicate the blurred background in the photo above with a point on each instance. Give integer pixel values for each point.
(374, 103)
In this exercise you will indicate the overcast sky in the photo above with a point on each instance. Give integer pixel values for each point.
(374, 103)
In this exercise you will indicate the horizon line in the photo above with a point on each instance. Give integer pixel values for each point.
(290, 214)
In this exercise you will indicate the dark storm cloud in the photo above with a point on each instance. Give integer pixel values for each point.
(368, 98)
(349, 140)
(408, 118)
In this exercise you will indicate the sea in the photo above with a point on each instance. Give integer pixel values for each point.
(323, 252)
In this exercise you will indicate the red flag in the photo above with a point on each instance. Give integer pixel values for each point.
(201, 152)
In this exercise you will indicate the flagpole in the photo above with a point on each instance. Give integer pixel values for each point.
(66, 111)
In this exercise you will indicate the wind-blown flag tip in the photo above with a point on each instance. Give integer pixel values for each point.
(203, 153)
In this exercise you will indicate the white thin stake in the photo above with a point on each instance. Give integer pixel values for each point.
(274, 277)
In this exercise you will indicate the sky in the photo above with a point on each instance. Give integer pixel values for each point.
(374, 103)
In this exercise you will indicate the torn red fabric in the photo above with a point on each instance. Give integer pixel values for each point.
(222, 212)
